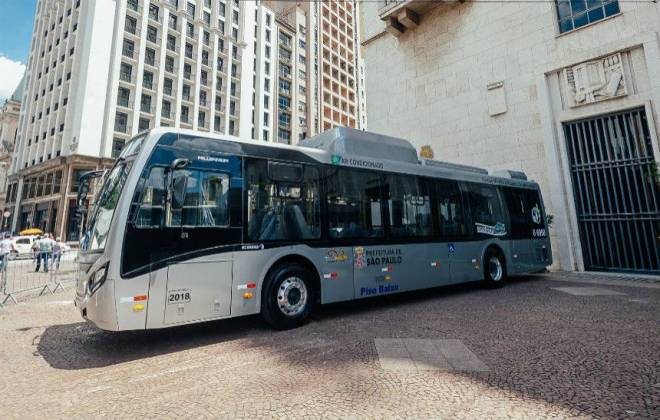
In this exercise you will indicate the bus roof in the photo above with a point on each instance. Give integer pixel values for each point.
(344, 146)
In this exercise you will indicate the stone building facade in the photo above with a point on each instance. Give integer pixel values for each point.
(567, 92)
(9, 114)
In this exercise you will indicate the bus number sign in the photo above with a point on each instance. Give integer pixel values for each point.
(178, 296)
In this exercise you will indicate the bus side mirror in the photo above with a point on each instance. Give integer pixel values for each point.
(178, 191)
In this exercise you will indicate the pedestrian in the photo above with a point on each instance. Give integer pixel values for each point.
(57, 254)
(36, 255)
(6, 247)
(45, 249)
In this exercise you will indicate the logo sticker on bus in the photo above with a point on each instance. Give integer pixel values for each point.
(536, 214)
(336, 256)
(498, 230)
(360, 261)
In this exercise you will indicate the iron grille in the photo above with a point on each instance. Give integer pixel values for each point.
(616, 189)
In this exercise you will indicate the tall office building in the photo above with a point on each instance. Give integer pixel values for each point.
(319, 81)
(9, 114)
(100, 71)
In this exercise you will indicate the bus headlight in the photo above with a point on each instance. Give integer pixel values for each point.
(97, 279)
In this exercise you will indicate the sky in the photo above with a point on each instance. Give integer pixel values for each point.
(16, 21)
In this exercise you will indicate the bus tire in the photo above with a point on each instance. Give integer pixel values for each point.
(288, 296)
(494, 268)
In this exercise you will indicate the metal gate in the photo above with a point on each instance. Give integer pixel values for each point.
(617, 194)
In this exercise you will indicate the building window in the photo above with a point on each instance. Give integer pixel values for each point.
(123, 97)
(131, 25)
(167, 86)
(171, 42)
(167, 107)
(184, 114)
(201, 119)
(125, 72)
(190, 8)
(148, 80)
(576, 13)
(117, 145)
(172, 23)
(128, 48)
(152, 34)
(169, 64)
(150, 57)
(153, 11)
(145, 104)
(144, 124)
(121, 122)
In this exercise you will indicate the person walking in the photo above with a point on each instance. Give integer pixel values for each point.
(57, 254)
(36, 255)
(45, 249)
(6, 247)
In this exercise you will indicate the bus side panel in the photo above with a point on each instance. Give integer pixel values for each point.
(132, 309)
(335, 267)
(157, 298)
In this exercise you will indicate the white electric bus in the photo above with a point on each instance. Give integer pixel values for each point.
(190, 227)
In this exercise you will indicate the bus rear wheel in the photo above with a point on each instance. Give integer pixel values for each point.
(494, 269)
(288, 297)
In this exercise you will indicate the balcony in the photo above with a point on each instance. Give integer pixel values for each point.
(400, 15)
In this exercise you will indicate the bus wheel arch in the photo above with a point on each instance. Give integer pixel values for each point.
(293, 275)
(494, 266)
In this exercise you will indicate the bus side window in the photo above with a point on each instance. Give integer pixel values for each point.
(517, 206)
(204, 202)
(283, 201)
(450, 209)
(150, 212)
(354, 204)
(410, 206)
(527, 220)
(486, 209)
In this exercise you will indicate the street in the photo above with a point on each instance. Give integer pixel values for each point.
(545, 346)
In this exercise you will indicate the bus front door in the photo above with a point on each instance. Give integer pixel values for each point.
(198, 290)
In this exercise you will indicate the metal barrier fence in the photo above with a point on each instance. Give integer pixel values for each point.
(42, 272)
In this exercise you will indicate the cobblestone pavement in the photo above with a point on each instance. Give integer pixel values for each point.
(549, 354)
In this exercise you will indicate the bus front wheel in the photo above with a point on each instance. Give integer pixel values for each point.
(288, 297)
(494, 268)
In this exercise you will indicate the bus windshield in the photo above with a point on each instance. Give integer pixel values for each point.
(98, 226)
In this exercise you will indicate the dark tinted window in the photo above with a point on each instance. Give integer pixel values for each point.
(204, 199)
(151, 210)
(450, 209)
(526, 213)
(409, 206)
(354, 204)
(283, 201)
(486, 210)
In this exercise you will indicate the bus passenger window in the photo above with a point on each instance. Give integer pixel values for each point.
(283, 201)
(486, 209)
(354, 204)
(450, 209)
(410, 207)
(204, 201)
(150, 212)
(525, 212)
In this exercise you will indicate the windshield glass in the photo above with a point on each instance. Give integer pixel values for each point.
(98, 225)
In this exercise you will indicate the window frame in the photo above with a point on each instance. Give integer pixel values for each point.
(320, 181)
(139, 198)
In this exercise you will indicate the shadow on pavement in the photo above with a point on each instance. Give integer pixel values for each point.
(83, 346)
(596, 356)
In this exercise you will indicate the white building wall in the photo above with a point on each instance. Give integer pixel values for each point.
(91, 74)
(430, 86)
